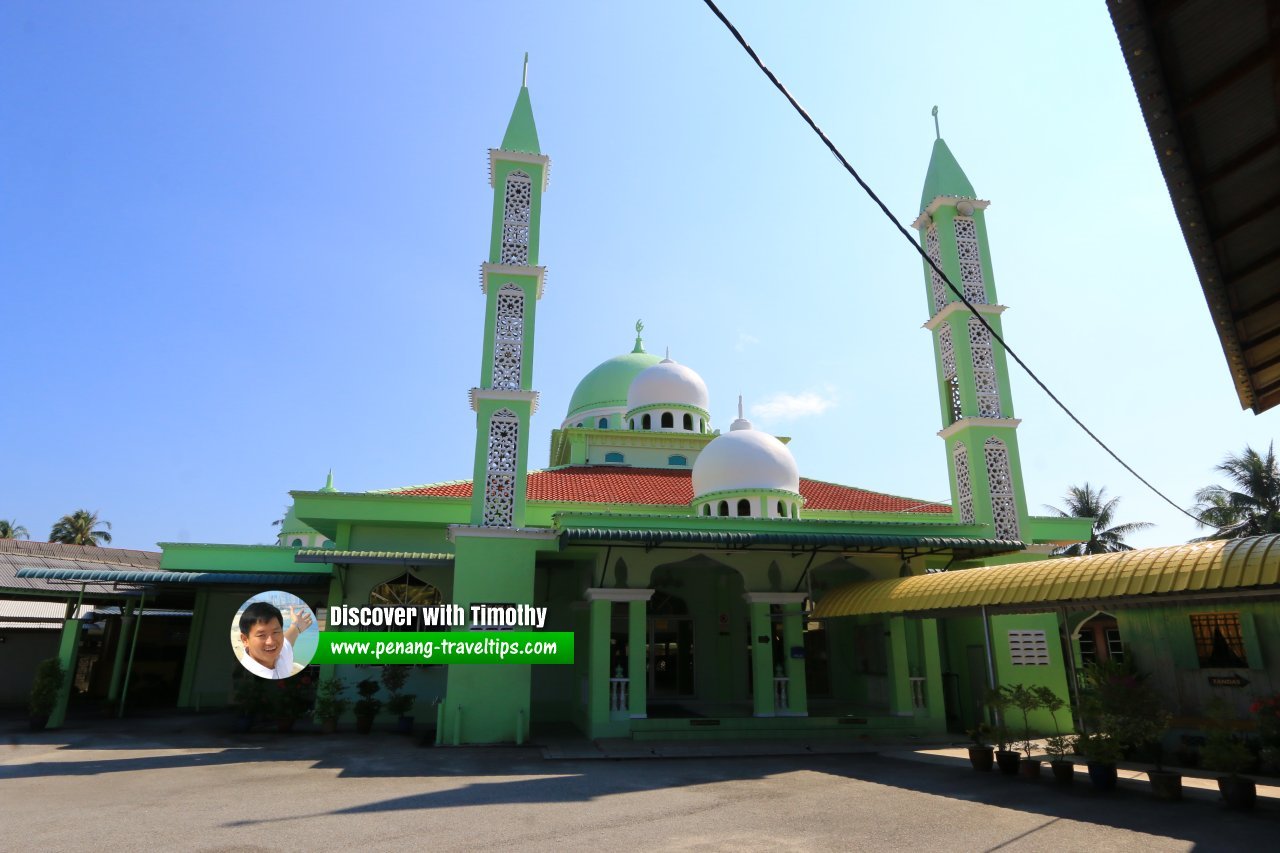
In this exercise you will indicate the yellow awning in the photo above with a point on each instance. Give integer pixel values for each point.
(1180, 571)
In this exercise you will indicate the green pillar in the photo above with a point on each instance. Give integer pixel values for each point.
(127, 621)
(761, 658)
(67, 650)
(935, 700)
(193, 650)
(601, 612)
(329, 671)
(793, 638)
(900, 704)
(637, 657)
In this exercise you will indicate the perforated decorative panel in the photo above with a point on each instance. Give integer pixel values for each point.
(970, 257)
(1000, 481)
(516, 216)
(1028, 648)
(984, 370)
(508, 344)
(964, 485)
(932, 249)
(947, 347)
(500, 476)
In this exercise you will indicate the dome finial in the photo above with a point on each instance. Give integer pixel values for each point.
(328, 483)
(740, 407)
(524, 80)
(639, 340)
(668, 353)
(937, 129)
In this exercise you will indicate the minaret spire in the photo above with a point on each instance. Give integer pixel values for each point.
(740, 416)
(936, 128)
(639, 340)
(524, 79)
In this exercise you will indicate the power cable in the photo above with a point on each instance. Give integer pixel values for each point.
(907, 235)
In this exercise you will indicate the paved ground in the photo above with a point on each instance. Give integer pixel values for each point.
(193, 790)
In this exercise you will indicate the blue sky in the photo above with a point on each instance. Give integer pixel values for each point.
(242, 243)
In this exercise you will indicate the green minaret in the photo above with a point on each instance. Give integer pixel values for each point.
(512, 284)
(973, 378)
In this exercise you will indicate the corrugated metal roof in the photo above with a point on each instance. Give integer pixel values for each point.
(263, 580)
(728, 538)
(1180, 570)
(16, 555)
(330, 555)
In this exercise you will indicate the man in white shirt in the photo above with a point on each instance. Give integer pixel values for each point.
(268, 647)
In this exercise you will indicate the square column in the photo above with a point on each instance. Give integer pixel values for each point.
(765, 689)
(793, 638)
(900, 701)
(601, 681)
(68, 649)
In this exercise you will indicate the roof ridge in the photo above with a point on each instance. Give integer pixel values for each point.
(922, 501)
(395, 489)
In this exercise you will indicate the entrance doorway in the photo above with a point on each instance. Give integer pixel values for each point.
(671, 657)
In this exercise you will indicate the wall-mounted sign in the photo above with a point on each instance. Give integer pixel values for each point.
(1235, 679)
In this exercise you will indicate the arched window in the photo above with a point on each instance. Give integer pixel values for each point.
(677, 460)
(744, 506)
(405, 590)
(603, 423)
(297, 543)
(516, 218)
(782, 510)
(795, 510)
(633, 423)
(668, 420)
(723, 508)
(700, 428)
(328, 543)
(688, 422)
(947, 348)
(614, 457)
(706, 509)
(646, 422)
(579, 423)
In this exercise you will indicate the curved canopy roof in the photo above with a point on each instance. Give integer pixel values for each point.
(1182, 572)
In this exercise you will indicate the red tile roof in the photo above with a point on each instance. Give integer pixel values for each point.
(608, 484)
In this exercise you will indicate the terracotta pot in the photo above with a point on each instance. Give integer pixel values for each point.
(1029, 768)
(1238, 792)
(1103, 776)
(1064, 772)
(1165, 785)
(1008, 761)
(982, 758)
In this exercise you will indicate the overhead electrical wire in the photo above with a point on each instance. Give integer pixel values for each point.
(907, 235)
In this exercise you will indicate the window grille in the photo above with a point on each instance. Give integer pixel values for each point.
(508, 338)
(1004, 509)
(500, 478)
(964, 486)
(938, 286)
(947, 348)
(984, 370)
(970, 257)
(516, 216)
(1219, 640)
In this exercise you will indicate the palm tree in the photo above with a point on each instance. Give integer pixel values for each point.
(1250, 504)
(1084, 502)
(12, 530)
(78, 529)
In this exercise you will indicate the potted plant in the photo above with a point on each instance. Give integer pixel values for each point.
(1006, 759)
(290, 699)
(398, 703)
(1059, 746)
(1136, 715)
(1026, 700)
(981, 753)
(367, 706)
(331, 703)
(1267, 710)
(251, 699)
(1227, 753)
(44, 692)
(1101, 751)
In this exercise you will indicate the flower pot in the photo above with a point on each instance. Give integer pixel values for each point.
(1102, 775)
(1029, 768)
(1008, 761)
(364, 723)
(1064, 772)
(1165, 785)
(329, 725)
(1238, 792)
(404, 725)
(981, 757)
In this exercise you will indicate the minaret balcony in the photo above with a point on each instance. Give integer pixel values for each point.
(969, 423)
(496, 154)
(956, 306)
(478, 394)
(489, 271)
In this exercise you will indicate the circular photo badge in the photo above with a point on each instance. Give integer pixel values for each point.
(274, 634)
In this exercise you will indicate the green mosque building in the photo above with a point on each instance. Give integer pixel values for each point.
(712, 590)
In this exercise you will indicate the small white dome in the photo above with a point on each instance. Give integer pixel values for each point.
(668, 383)
(744, 459)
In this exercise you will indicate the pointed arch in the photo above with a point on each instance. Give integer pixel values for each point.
(517, 214)
(951, 383)
(508, 338)
(964, 483)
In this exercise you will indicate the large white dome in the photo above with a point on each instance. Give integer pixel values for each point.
(668, 383)
(744, 459)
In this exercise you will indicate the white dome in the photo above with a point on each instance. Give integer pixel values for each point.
(668, 383)
(744, 459)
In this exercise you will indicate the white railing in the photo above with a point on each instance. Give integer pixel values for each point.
(782, 693)
(917, 692)
(619, 698)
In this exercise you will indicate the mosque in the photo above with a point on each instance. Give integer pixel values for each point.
(712, 590)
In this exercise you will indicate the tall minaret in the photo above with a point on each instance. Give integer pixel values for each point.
(973, 378)
(512, 283)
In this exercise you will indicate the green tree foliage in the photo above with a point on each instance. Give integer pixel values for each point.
(1249, 505)
(1106, 537)
(12, 530)
(80, 528)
